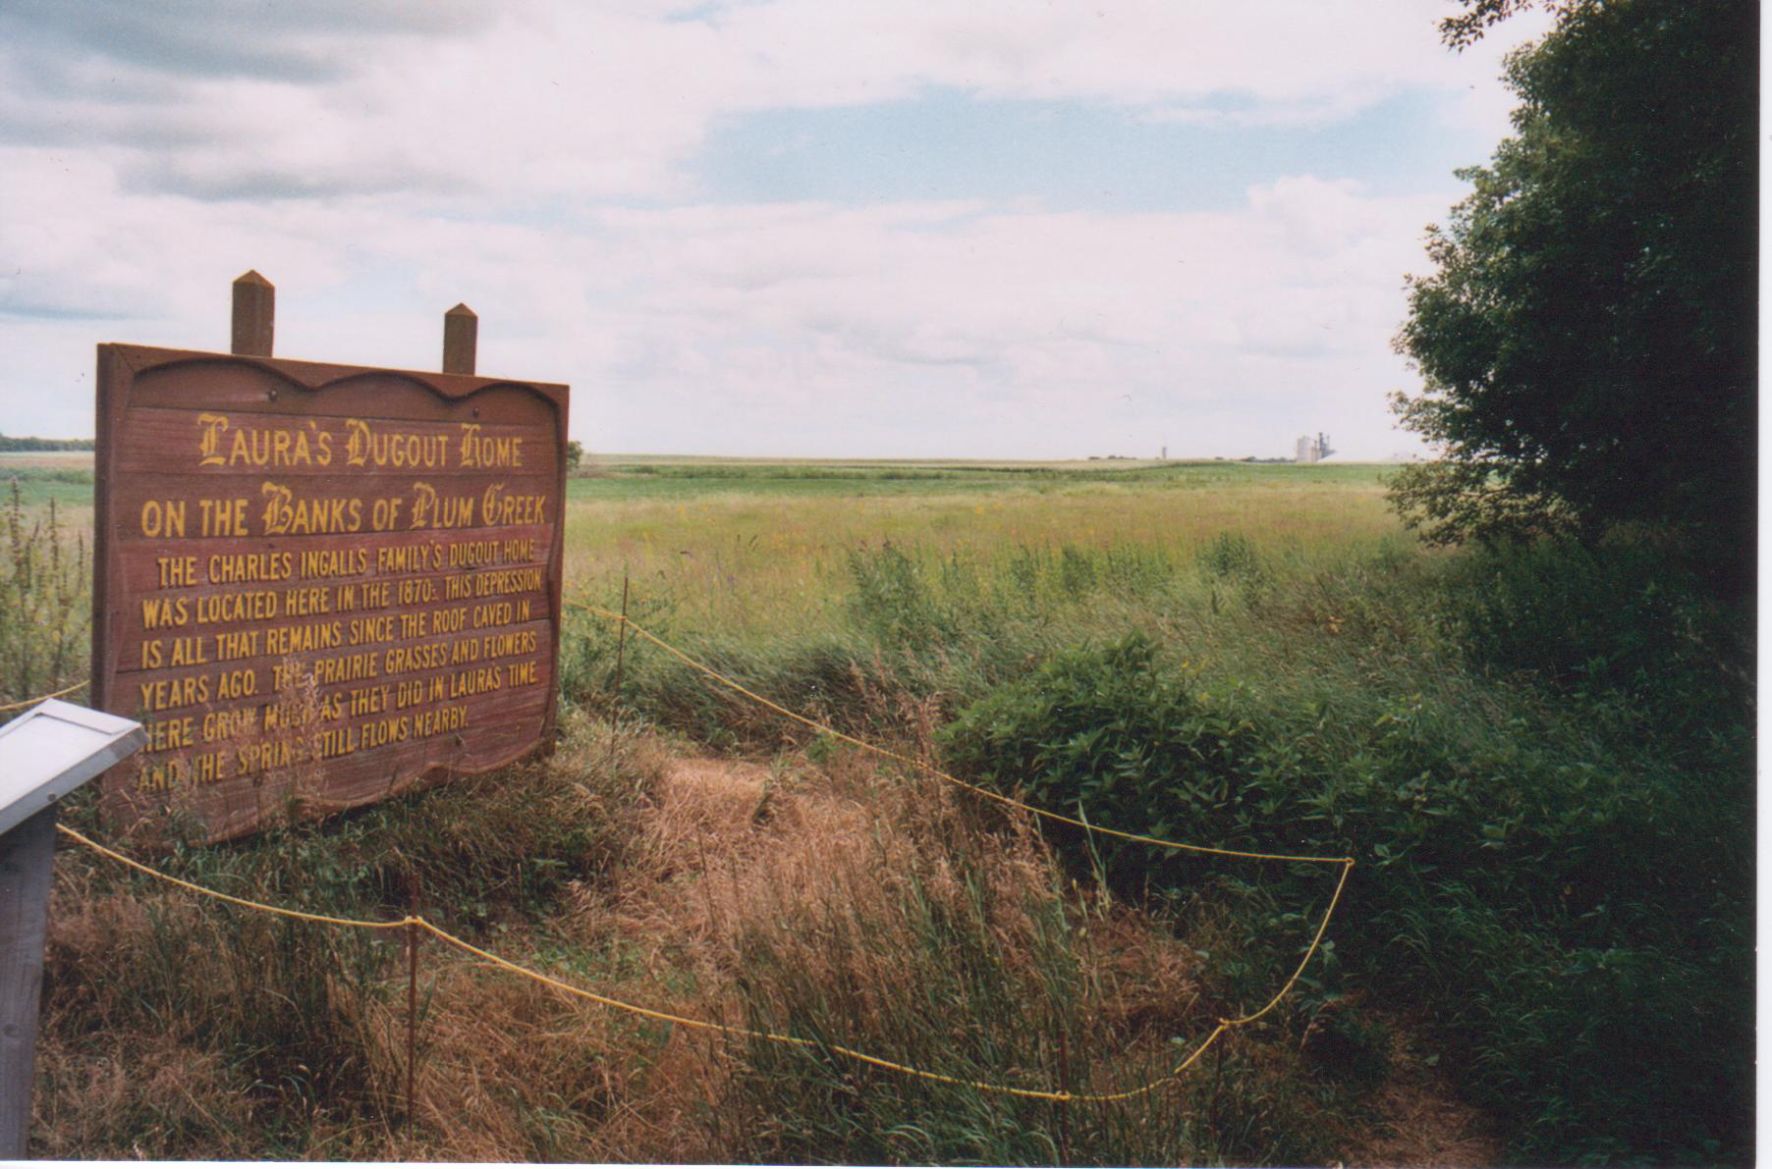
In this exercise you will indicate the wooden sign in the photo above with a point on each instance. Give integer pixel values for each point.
(319, 585)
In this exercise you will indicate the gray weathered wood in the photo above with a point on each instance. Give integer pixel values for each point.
(27, 856)
(461, 335)
(45, 754)
(255, 315)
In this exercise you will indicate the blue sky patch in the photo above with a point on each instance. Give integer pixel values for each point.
(1067, 156)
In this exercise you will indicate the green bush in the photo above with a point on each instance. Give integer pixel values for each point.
(1613, 624)
(1572, 907)
(1541, 757)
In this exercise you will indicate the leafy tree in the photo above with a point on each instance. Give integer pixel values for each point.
(575, 453)
(44, 444)
(1587, 341)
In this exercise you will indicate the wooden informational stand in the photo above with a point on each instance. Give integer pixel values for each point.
(45, 753)
(320, 585)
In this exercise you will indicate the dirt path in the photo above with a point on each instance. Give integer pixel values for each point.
(1424, 1121)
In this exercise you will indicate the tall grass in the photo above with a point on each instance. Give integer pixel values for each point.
(178, 1027)
(872, 911)
(736, 559)
(1541, 756)
(924, 943)
(828, 901)
(45, 606)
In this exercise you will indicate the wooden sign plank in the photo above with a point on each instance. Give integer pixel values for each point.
(320, 585)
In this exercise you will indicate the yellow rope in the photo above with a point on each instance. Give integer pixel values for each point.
(298, 915)
(43, 698)
(1224, 1025)
(987, 793)
(1316, 942)
(1063, 1097)
(727, 1030)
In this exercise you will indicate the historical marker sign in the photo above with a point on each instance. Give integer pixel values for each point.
(320, 585)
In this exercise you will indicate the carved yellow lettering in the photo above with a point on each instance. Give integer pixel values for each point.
(501, 507)
(210, 427)
(168, 734)
(163, 518)
(356, 442)
(169, 692)
(165, 612)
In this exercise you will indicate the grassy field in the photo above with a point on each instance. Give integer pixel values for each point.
(764, 547)
(1541, 759)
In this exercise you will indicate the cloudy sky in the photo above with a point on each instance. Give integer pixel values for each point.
(758, 227)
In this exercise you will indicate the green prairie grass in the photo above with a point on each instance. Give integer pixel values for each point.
(45, 595)
(1541, 758)
(764, 552)
(41, 477)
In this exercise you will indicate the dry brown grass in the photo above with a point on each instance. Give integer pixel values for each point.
(830, 873)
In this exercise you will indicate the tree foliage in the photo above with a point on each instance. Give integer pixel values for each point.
(10, 444)
(1587, 339)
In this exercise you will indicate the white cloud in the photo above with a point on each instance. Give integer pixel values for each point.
(380, 162)
(609, 100)
(731, 328)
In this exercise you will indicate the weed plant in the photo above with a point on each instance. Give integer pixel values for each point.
(1555, 866)
(1540, 756)
(177, 1027)
(875, 911)
(45, 611)
(953, 955)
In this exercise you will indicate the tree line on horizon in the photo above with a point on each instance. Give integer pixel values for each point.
(9, 444)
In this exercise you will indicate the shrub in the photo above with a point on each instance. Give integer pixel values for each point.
(1528, 876)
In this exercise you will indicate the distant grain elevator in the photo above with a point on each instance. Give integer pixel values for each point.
(1313, 450)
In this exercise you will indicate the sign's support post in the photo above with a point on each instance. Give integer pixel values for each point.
(461, 337)
(255, 315)
(45, 753)
(27, 854)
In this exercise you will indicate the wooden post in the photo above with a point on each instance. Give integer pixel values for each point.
(46, 753)
(1064, 1106)
(621, 637)
(621, 645)
(255, 315)
(27, 856)
(412, 940)
(461, 337)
